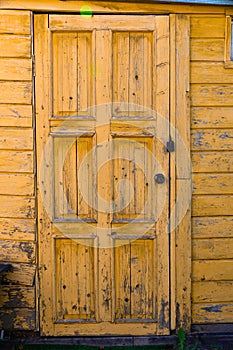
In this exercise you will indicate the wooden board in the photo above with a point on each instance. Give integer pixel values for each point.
(17, 297)
(212, 227)
(23, 184)
(15, 69)
(20, 274)
(210, 139)
(16, 92)
(212, 183)
(207, 50)
(18, 251)
(212, 313)
(17, 207)
(210, 72)
(212, 205)
(15, 115)
(16, 161)
(212, 291)
(211, 95)
(18, 139)
(18, 319)
(15, 22)
(216, 248)
(15, 46)
(211, 117)
(212, 270)
(207, 26)
(212, 162)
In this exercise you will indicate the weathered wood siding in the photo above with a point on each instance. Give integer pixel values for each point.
(17, 186)
(212, 157)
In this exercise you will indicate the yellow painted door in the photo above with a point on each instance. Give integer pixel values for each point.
(102, 110)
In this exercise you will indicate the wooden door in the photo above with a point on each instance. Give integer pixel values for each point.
(102, 109)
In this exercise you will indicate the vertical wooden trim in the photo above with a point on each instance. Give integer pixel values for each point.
(183, 175)
(162, 110)
(42, 90)
(228, 52)
(172, 171)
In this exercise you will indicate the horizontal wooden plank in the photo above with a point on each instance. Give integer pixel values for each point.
(23, 184)
(212, 183)
(15, 22)
(16, 115)
(207, 50)
(210, 72)
(18, 319)
(18, 229)
(212, 95)
(114, 22)
(16, 161)
(212, 270)
(212, 227)
(210, 139)
(20, 274)
(17, 297)
(15, 69)
(15, 46)
(17, 207)
(212, 161)
(211, 117)
(216, 248)
(14, 251)
(212, 291)
(16, 139)
(212, 313)
(205, 205)
(16, 92)
(107, 7)
(207, 26)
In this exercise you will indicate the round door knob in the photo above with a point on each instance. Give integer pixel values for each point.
(159, 178)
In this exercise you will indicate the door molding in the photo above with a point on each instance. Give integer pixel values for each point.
(180, 186)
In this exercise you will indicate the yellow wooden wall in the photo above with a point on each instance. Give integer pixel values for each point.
(17, 186)
(212, 157)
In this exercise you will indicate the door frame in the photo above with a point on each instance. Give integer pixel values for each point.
(180, 236)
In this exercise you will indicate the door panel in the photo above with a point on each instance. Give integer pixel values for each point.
(102, 109)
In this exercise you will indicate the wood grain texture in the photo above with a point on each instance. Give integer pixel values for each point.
(207, 50)
(212, 291)
(105, 7)
(211, 117)
(212, 227)
(212, 313)
(17, 207)
(17, 297)
(15, 46)
(212, 270)
(18, 319)
(217, 162)
(20, 274)
(210, 72)
(211, 95)
(16, 92)
(207, 26)
(213, 183)
(216, 248)
(212, 205)
(15, 69)
(15, 115)
(16, 161)
(18, 229)
(22, 252)
(205, 139)
(15, 22)
(17, 184)
(16, 139)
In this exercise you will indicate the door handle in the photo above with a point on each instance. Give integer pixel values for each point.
(159, 178)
